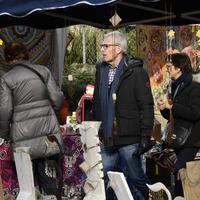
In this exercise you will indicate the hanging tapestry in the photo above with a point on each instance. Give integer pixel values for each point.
(151, 47)
(197, 45)
(41, 45)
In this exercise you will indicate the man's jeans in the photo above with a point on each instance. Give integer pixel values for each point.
(133, 164)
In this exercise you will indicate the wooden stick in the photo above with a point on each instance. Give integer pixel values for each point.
(1, 190)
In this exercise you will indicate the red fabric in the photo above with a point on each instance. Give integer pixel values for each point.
(62, 115)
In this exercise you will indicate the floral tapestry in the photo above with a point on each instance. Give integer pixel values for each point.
(151, 47)
(41, 45)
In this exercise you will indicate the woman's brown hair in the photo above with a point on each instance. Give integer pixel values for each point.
(15, 50)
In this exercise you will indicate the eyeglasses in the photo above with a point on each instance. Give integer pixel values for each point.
(105, 46)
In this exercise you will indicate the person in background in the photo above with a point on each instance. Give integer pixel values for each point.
(123, 102)
(64, 112)
(28, 109)
(185, 110)
(70, 37)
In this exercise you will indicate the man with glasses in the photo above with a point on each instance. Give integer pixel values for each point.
(124, 103)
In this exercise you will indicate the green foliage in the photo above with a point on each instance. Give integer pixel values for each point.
(93, 38)
(85, 78)
(74, 52)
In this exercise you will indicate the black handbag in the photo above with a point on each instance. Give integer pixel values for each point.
(179, 137)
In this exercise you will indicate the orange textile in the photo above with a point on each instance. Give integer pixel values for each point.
(62, 115)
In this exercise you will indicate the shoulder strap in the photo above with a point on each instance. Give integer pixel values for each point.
(33, 70)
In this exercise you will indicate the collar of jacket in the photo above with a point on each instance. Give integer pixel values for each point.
(196, 77)
(129, 61)
(18, 63)
(133, 61)
(192, 76)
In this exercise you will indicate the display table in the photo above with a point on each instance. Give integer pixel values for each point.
(70, 171)
(5, 166)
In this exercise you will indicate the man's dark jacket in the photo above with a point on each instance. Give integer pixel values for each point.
(134, 105)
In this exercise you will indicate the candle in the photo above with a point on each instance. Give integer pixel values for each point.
(70, 77)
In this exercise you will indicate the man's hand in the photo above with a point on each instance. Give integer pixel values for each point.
(144, 145)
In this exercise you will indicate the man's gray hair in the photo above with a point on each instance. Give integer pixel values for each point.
(119, 39)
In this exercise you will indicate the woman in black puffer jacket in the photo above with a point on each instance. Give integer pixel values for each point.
(185, 110)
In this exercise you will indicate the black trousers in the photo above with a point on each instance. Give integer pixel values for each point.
(45, 182)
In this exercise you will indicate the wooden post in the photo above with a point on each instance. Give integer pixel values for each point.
(191, 180)
(24, 173)
(1, 190)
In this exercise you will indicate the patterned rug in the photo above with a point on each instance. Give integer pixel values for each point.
(41, 44)
(5, 166)
(151, 47)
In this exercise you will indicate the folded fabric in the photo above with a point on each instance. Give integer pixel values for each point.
(165, 158)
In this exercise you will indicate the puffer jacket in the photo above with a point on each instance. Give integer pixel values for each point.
(28, 109)
(134, 107)
(186, 108)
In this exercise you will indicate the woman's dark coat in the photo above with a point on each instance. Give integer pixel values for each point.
(186, 108)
